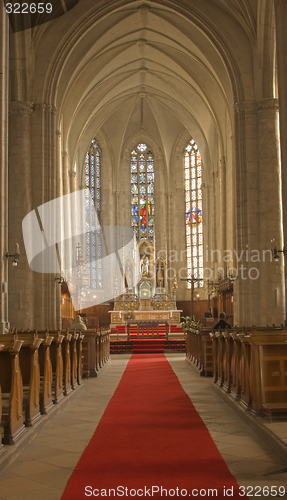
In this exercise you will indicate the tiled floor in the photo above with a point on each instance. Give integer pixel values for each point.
(44, 462)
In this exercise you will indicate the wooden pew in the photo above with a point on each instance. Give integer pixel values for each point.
(67, 387)
(12, 389)
(89, 354)
(80, 357)
(46, 375)
(214, 356)
(74, 359)
(30, 369)
(227, 355)
(96, 351)
(244, 369)
(2, 451)
(57, 367)
(235, 387)
(268, 370)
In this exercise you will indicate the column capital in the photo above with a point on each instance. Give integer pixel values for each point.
(42, 107)
(72, 173)
(21, 107)
(245, 106)
(267, 103)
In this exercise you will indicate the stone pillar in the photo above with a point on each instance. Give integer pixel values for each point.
(4, 62)
(47, 293)
(281, 52)
(222, 190)
(272, 296)
(21, 278)
(246, 290)
(65, 174)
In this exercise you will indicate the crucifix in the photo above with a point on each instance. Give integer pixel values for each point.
(192, 279)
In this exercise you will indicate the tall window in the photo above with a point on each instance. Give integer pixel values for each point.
(93, 224)
(142, 192)
(193, 214)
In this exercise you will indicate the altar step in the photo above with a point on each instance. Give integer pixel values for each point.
(147, 346)
(173, 330)
(126, 346)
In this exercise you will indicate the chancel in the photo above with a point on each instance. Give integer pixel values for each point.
(143, 161)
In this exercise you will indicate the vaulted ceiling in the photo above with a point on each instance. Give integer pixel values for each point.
(160, 67)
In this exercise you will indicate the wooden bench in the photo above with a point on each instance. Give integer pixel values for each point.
(12, 389)
(57, 366)
(67, 387)
(30, 369)
(270, 408)
(74, 359)
(80, 357)
(46, 376)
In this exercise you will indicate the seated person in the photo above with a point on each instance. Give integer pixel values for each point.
(222, 322)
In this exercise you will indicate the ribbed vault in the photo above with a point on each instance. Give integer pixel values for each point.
(142, 66)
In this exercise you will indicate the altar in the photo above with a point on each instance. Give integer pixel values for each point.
(133, 316)
(152, 298)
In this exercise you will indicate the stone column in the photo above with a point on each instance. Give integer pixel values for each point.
(4, 65)
(246, 291)
(222, 190)
(272, 297)
(45, 180)
(21, 278)
(281, 46)
(65, 174)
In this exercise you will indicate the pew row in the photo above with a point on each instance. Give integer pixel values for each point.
(95, 351)
(248, 364)
(39, 368)
(12, 419)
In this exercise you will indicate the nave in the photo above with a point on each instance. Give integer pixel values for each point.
(45, 461)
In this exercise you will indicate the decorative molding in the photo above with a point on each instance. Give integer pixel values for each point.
(72, 173)
(245, 106)
(143, 9)
(268, 103)
(21, 107)
(42, 107)
(141, 42)
(58, 133)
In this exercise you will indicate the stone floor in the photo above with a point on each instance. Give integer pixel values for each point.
(40, 467)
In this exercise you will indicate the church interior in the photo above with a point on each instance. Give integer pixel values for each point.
(143, 198)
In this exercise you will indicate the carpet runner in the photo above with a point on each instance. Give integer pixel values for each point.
(147, 346)
(151, 442)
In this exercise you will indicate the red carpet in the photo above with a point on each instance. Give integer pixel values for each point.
(147, 346)
(150, 442)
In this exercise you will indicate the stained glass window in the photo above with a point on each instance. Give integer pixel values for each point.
(193, 213)
(93, 224)
(142, 192)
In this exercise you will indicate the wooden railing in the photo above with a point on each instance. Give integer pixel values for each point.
(39, 368)
(249, 364)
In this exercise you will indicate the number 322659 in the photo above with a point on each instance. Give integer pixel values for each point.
(24, 8)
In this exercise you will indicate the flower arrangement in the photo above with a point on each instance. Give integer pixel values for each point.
(188, 322)
(129, 316)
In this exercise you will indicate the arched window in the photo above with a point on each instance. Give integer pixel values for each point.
(93, 224)
(142, 192)
(193, 213)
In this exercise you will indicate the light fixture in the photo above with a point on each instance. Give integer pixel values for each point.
(275, 253)
(60, 280)
(16, 256)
